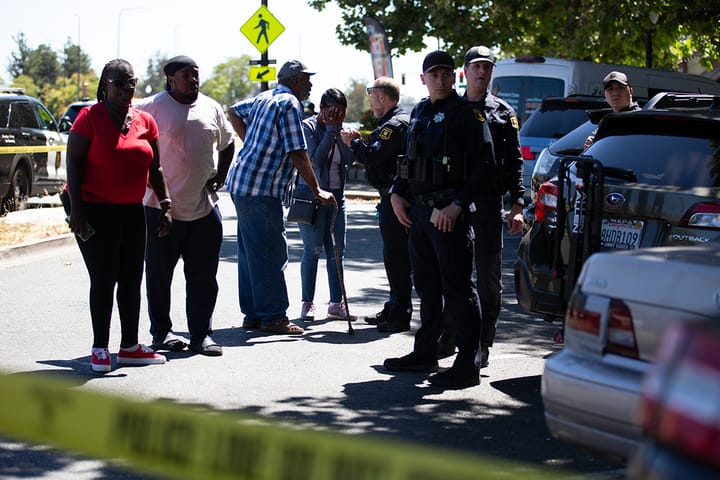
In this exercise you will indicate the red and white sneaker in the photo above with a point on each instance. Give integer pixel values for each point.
(139, 355)
(100, 360)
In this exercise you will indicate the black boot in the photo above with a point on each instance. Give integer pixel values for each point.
(456, 377)
(397, 321)
(379, 317)
(412, 362)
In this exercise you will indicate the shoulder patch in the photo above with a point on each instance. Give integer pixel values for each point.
(514, 122)
(385, 133)
(479, 115)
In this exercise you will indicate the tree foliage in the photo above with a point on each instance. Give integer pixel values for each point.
(74, 60)
(357, 99)
(612, 31)
(230, 82)
(154, 81)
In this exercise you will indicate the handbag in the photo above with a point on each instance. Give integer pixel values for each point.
(303, 207)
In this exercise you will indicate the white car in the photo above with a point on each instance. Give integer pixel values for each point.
(621, 305)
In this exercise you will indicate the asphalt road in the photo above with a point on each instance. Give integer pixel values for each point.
(325, 379)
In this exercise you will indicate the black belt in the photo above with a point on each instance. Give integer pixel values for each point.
(436, 199)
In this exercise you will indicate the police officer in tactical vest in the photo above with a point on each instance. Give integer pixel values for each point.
(488, 207)
(448, 159)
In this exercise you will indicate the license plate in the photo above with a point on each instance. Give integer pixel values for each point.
(621, 234)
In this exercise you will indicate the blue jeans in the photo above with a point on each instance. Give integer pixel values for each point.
(316, 238)
(262, 258)
(198, 243)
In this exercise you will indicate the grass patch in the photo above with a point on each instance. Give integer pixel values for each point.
(17, 233)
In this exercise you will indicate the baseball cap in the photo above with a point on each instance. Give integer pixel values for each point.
(618, 77)
(479, 54)
(178, 63)
(291, 69)
(437, 59)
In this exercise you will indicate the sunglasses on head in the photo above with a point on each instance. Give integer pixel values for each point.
(123, 82)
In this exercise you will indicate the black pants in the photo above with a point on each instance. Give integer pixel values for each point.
(198, 243)
(442, 271)
(488, 260)
(114, 257)
(396, 256)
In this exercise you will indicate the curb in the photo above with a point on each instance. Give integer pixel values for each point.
(45, 244)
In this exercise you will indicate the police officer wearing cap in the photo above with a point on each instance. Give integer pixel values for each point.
(448, 158)
(379, 156)
(618, 94)
(487, 216)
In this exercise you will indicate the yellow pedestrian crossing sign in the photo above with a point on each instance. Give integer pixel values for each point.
(262, 73)
(262, 29)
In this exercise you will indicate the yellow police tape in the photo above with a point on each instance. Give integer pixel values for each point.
(33, 149)
(190, 443)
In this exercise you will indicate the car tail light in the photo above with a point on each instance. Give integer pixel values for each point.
(583, 320)
(702, 215)
(680, 401)
(621, 333)
(546, 202)
(526, 153)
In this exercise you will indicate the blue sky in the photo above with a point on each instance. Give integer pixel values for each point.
(208, 31)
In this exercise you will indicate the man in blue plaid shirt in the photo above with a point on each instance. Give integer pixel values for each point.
(270, 126)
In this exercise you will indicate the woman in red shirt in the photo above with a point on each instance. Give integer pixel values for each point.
(112, 155)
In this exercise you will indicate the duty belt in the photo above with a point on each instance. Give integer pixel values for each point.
(437, 199)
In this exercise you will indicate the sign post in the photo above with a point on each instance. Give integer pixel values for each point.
(262, 29)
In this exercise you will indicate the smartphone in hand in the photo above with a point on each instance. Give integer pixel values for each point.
(89, 231)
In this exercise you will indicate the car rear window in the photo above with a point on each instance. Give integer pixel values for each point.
(678, 160)
(552, 123)
(574, 141)
(525, 94)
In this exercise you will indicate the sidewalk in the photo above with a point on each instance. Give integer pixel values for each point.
(48, 211)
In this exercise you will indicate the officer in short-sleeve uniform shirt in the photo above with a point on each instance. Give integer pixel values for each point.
(379, 156)
(448, 159)
(488, 208)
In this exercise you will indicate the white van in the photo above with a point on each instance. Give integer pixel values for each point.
(524, 81)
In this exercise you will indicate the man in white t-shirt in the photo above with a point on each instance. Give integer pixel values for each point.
(192, 127)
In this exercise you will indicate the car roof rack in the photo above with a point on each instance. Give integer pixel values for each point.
(18, 91)
(666, 100)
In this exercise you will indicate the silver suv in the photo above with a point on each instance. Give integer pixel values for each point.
(31, 150)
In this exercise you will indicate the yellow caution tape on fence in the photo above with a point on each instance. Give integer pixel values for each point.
(186, 442)
(33, 149)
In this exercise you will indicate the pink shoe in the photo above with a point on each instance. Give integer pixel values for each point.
(307, 311)
(139, 355)
(100, 360)
(339, 311)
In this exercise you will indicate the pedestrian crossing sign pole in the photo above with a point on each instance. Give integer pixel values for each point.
(262, 29)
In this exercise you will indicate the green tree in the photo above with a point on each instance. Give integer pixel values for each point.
(19, 59)
(612, 31)
(230, 82)
(43, 66)
(154, 81)
(357, 99)
(74, 60)
(27, 84)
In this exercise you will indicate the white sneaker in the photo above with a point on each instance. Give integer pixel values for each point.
(307, 312)
(338, 310)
